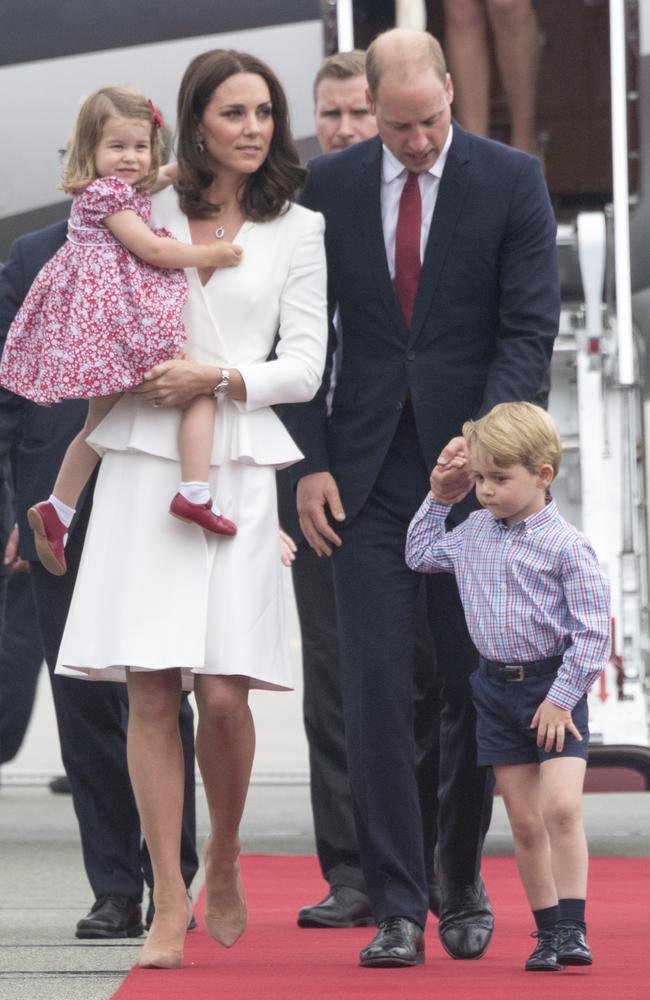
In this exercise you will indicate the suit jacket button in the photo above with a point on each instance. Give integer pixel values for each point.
(398, 406)
(410, 356)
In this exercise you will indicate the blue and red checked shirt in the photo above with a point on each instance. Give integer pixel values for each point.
(529, 591)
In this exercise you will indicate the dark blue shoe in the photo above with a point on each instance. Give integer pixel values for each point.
(572, 947)
(544, 957)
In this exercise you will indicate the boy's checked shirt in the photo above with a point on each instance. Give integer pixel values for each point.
(529, 591)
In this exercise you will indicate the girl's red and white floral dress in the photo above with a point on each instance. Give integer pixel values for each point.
(96, 317)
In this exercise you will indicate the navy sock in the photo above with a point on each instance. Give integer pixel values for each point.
(572, 913)
(545, 919)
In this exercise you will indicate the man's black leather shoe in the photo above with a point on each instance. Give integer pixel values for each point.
(466, 920)
(343, 907)
(151, 909)
(572, 947)
(544, 957)
(112, 916)
(398, 942)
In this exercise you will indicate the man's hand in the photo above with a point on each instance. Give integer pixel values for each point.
(452, 477)
(552, 723)
(176, 382)
(314, 494)
(11, 557)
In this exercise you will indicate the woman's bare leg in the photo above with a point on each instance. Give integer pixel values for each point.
(517, 47)
(156, 768)
(467, 49)
(80, 459)
(225, 745)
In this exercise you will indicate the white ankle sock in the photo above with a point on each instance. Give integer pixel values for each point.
(63, 512)
(195, 492)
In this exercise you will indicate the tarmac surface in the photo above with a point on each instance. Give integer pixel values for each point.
(44, 891)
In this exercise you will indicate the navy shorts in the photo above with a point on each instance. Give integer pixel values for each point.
(504, 710)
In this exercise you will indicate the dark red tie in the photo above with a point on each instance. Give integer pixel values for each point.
(407, 246)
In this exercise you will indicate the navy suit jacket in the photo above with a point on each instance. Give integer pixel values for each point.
(485, 316)
(34, 437)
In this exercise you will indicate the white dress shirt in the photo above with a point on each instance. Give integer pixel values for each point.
(393, 179)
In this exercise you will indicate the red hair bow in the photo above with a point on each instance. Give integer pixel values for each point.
(157, 117)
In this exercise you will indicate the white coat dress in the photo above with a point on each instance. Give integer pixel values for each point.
(154, 592)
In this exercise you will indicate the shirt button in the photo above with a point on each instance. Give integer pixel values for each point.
(411, 356)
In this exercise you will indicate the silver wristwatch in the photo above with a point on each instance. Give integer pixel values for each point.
(222, 387)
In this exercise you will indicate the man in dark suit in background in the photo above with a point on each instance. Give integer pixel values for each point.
(442, 264)
(91, 716)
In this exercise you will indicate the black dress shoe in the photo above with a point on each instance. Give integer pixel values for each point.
(344, 907)
(151, 909)
(572, 947)
(398, 942)
(466, 920)
(544, 957)
(60, 785)
(112, 916)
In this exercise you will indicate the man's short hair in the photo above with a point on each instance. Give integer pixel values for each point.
(341, 66)
(430, 56)
(516, 434)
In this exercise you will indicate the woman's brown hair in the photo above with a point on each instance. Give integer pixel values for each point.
(108, 102)
(267, 192)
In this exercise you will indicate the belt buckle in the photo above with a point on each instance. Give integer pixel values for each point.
(513, 672)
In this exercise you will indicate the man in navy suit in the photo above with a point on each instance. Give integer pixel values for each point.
(442, 264)
(91, 716)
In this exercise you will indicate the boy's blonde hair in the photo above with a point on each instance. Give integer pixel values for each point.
(516, 434)
(108, 102)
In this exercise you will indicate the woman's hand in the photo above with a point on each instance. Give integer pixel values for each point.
(288, 548)
(174, 383)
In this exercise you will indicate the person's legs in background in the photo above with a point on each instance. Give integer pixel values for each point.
(21, 658)
(515, 30)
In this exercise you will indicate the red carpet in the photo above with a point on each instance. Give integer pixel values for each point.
(276, 960)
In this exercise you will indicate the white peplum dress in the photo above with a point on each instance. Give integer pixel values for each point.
(154, 592)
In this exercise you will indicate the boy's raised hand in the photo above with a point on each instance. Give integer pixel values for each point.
(552, 724)
(452, 477)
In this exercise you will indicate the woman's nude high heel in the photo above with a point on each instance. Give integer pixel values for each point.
(163, 948)
(225, 914)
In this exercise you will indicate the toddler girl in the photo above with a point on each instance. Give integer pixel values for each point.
(107, 308)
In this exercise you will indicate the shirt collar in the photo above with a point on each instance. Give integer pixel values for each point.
(541, 519)
(392, 168)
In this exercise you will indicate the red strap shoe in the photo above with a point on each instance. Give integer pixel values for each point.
(201, 514)
(49, 532)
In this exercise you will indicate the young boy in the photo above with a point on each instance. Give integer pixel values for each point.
(537, 608)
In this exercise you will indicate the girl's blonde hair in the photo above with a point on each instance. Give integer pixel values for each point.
(516, 434)
(108, 102)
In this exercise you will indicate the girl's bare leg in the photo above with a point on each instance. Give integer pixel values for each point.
(156, 768)
(467, 48)
(225, 745)
(561, 782)
(520, 786)
(195, 439)
(80, 459)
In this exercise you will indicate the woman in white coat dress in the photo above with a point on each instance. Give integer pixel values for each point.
(158, 602)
